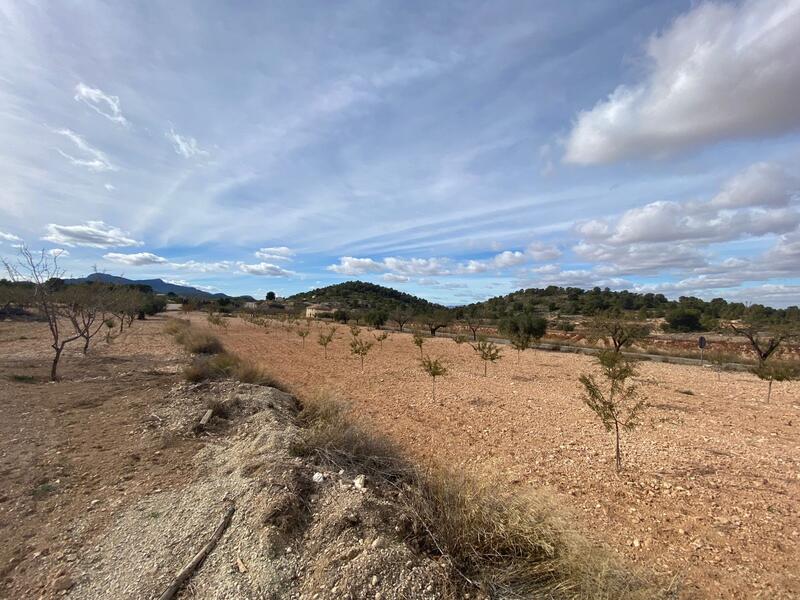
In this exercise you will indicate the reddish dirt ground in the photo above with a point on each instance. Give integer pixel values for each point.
(73, 452)
(711, 481)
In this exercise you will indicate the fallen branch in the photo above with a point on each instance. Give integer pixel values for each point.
(198, 559)
(206, 417)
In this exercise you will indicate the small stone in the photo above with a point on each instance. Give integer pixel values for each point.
(360, 482)
(375, 580)
(378, 542)
(62, 583)
(318, 477)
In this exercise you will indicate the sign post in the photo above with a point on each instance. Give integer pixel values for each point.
(701, 343)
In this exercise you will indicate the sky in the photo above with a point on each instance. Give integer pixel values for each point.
(452, 150)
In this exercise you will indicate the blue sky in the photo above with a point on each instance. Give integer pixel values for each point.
(452, 150)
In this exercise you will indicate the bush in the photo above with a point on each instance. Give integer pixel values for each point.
(228, 366)
(684, 320)
(199, 342)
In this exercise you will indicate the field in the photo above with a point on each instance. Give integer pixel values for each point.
(710, 483)
(708, 494)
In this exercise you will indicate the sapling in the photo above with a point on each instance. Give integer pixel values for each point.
(360, 348)
(488, 352)
(775, 372)
(460, 339)
(621, 406)
(355, 330)
(381, 337)
(303, 333)
(325, 339)
(419, 341)
(435, 368)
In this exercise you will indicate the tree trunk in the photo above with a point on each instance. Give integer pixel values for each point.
(485, 368)
(434, 389)
(618, 456)
(86, 345)
(769, 391)
(54, 367)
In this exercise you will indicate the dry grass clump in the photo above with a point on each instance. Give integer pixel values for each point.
(175, 325)
(196, 342)
(228, 366)
(511, 544)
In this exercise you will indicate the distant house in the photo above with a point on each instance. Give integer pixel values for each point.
(314, 310)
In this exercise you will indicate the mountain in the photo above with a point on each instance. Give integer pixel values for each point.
(359, 295)
(159, 286)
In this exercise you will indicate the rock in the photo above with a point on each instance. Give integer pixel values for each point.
(360, 482)
(378, 543)
(63, 583)
(318, 477)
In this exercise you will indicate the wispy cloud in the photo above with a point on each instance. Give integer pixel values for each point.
(186, 146)
(275, 253)
(135, 260)
(265, 270)
(93, 159)
(101, 103)
(9, 237)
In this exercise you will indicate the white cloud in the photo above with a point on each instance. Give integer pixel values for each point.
(9, 237)
(136, 259)
(94, 234)
(722, 70)
(202, 267)
(264, 269)
(184, 145)
(762, 184)
(109, 187)
(101, 103)
(58, 252)
(392, 278)
(93, 159)
(349, 265)
(275, 253)
(539, 251)
(504, 260)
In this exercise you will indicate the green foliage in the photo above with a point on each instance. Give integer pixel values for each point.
(341, 316)
(460, 339)
(620, 406)
(381, 337)
(303, 333)
(325, 339)
(360, 348)
(434, 367)
(359, 295)
(488, 352)
(684, 320)
(522, 329)
(418, 341)
(376, 318)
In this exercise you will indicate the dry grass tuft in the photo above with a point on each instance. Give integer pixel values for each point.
(228, 366)
(510, 544)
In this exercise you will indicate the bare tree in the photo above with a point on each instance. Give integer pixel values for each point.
(621, 406)
(765, 341)
(620, 332)
(436, 320)
(85, 305)
(435, 368)
(401, 317)
(44, 273)
(474, 323)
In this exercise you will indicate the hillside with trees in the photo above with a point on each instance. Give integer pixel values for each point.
(360, 295)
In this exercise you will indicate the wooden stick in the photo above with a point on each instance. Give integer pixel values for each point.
(206, 417)
(198, 559)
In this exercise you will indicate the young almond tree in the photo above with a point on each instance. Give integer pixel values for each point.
(360, 348)
(435, 368)
(460, 339)
(775, 372)
(381, 337)
(419, 341)
(325, 339)
(488, 352)
(303, 333)
(355, 330)
(620, 406)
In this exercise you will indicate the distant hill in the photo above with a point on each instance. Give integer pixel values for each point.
(359, 295)
(159, 286)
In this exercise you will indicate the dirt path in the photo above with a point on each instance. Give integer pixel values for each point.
(73, 453)
(711, 483)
